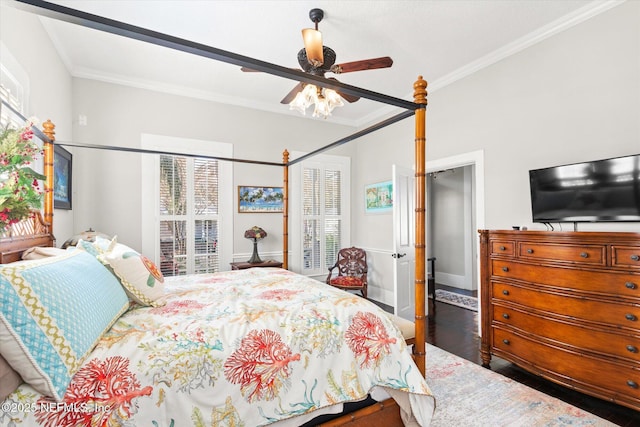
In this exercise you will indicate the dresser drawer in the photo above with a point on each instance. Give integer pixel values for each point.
(581, 254)
(618, 379)
(624, 345)
(605, 282)
(626, 315)
(505, 248)
(626, 257)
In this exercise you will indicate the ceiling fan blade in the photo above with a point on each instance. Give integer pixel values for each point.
(365, 64)
(348, 98)
(292, 94)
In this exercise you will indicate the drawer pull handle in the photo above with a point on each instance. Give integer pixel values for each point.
(630, 285)
(635, 257)
(584, 255)
(632, 348)
(505, 315)
(507, 342)
(529, 251)
(502, 248)
(632, 384)
(505, 292)
(505, 269)
(630, 317)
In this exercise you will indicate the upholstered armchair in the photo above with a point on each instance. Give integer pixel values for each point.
(351, 269)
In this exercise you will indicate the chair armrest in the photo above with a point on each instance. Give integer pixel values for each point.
(330, 273)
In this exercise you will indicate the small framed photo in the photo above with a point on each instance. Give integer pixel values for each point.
(260, 199)
(62, 169)
(378, 197)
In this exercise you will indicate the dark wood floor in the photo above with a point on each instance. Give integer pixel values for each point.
(455, 330)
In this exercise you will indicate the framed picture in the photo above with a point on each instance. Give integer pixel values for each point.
(378, 197)
(259, 199)
(62, 168)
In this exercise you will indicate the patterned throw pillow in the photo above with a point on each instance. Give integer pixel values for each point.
(140, 277)
(53, 311)
(99, 246)
(347, 281)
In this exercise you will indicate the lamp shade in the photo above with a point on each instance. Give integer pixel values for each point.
(313, 46)
(255, 232)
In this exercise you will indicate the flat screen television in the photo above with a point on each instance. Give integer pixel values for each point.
(601, 190)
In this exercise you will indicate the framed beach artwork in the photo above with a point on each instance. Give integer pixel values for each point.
(62, 167)
(259, 199)
(378, 197)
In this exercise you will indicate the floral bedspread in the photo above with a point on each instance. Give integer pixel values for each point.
(238, 348)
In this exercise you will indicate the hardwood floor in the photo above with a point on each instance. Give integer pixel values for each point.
(455, 330)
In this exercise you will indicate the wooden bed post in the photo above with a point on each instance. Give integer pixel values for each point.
(420, 97)
(49, 131)
(285, 211)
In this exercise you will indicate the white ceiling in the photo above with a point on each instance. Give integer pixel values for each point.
(443, 40)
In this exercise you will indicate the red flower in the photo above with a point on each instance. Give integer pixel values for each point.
(260, 365)
(100, 394)
(368, 338)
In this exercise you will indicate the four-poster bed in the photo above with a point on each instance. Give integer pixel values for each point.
(12, 246)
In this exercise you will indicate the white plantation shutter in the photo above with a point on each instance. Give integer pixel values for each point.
(188, 215)
(323, 216)
(206, 215)
(332, 215)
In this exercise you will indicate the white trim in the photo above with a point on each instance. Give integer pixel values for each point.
(150, 187)
(472, 158)
(578, 16)
(559, 25)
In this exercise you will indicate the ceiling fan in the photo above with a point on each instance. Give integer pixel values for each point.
(317, 59)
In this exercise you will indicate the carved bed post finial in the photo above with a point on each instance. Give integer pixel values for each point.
(49, 131)
(419, 351)
(285, 210)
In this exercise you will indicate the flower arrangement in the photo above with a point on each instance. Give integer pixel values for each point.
(20, 190)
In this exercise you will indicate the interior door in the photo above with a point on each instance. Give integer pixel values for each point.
(403, 242)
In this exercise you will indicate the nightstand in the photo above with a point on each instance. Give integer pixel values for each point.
(243, 265)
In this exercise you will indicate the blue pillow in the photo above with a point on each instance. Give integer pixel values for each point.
(53, 311)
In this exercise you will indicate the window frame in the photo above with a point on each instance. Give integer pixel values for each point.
(323, 162)
(150, 168)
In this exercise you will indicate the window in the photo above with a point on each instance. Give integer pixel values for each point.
(324, 211)
(13, 81)
(188, 215)
(189, 197)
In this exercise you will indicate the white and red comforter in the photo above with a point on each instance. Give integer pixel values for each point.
(249, 347)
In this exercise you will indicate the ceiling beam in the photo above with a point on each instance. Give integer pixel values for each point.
(100, 23)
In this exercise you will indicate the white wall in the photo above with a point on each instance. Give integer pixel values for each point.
(109, 192)
(49, 91)
(570, 98)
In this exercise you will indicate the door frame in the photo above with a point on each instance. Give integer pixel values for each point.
(475, 158)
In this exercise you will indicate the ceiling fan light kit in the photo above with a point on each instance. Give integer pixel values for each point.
(324, 100)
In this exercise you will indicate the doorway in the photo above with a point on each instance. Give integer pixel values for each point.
(456, 185)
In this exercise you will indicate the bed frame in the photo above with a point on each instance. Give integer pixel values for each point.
(38, 229)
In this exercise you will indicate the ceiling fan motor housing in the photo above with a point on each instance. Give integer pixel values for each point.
(329, 59)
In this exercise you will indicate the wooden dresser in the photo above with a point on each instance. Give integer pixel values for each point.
(566, 306)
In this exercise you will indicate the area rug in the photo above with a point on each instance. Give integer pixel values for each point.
(464, 301)
(470, 395)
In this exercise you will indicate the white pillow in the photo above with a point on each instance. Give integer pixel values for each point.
(38, 252)
(140, 277)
